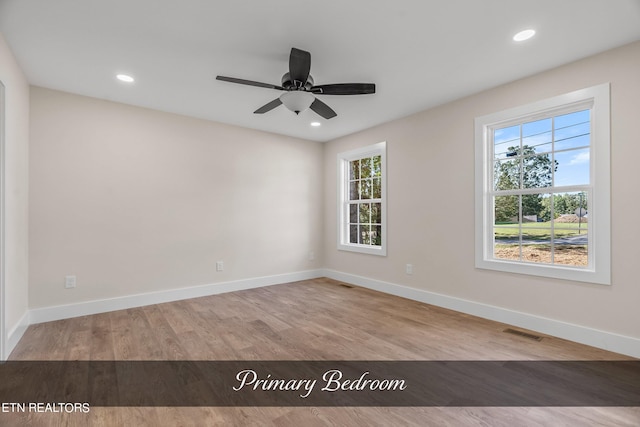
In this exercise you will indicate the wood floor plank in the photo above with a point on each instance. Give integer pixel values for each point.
(101, 345)
(318, 319)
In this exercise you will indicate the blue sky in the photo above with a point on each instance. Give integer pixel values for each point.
(571, 132)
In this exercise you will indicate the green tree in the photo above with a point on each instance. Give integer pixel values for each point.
(524, 169)
(563, 203)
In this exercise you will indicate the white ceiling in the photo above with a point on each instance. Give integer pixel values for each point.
(420, 53)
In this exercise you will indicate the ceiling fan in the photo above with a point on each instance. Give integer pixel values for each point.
(300, 92)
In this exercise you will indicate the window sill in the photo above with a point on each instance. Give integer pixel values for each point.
(556, 271)
(363, 249)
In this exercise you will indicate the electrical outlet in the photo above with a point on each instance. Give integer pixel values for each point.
(69, 282)
(312, 256)
(409, 269)
(219, 265)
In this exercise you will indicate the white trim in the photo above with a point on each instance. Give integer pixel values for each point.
(601, 339)
(343, 159)
(599, 203)
(16, 334)
(594, 337)
(48, 314)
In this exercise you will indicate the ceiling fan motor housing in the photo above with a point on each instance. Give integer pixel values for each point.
(288, 84)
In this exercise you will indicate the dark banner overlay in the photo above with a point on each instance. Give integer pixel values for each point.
(323, 383)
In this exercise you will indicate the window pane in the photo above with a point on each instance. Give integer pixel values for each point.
(376, 213)
(354, 169)
(538, 251)
(366, 188)
(354, 190)
(567, 204)
(377, 188)
(507, 251)
(544, 215)
(537, 171)
(571, 119)
(365, 168)
(506, 209)
(572, 130)
(365, 234)
(353, 213)
(506, 231)
(506, 174)
(572, 167)
(377, 166)
(507, 134)
(571, 245)
(365, 212)
(506, 141)
(353, 234)
(537, 135)
(571, 224)
(573, 142)
(532, 208)
(536, 242)
(376, 235)
(574, 255)
(539, 127)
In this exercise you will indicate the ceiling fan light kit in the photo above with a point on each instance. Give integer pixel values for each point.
(300, 92)
(297, 101)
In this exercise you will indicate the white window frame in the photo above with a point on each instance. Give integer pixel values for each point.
(599, 266)
(343, 198)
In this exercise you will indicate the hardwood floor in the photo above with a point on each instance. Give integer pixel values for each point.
(317, 319)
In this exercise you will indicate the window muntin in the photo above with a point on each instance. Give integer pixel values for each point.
(532, 220)
(362, 200)
(365, 201)
(537, 167)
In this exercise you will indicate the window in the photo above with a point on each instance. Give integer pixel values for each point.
(362, 200)
(542, 188)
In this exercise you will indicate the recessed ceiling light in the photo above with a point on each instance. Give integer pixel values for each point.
(315, 124)
(524, 35)
(125, 78)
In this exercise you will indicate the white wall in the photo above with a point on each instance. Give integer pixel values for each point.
(431, 202)
(133, 201)
(15, 269)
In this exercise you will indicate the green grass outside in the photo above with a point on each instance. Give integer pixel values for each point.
(539, 230)
(542, 246)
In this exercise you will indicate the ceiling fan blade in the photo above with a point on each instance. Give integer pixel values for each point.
(344, 89)
(268, 107)
(299, 66)
(248, 82)
(322, 109)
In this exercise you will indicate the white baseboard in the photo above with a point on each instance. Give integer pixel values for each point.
(48, 314)
(15, 334)
(605, 340)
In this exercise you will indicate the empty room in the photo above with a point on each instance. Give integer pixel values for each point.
(298, 213)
